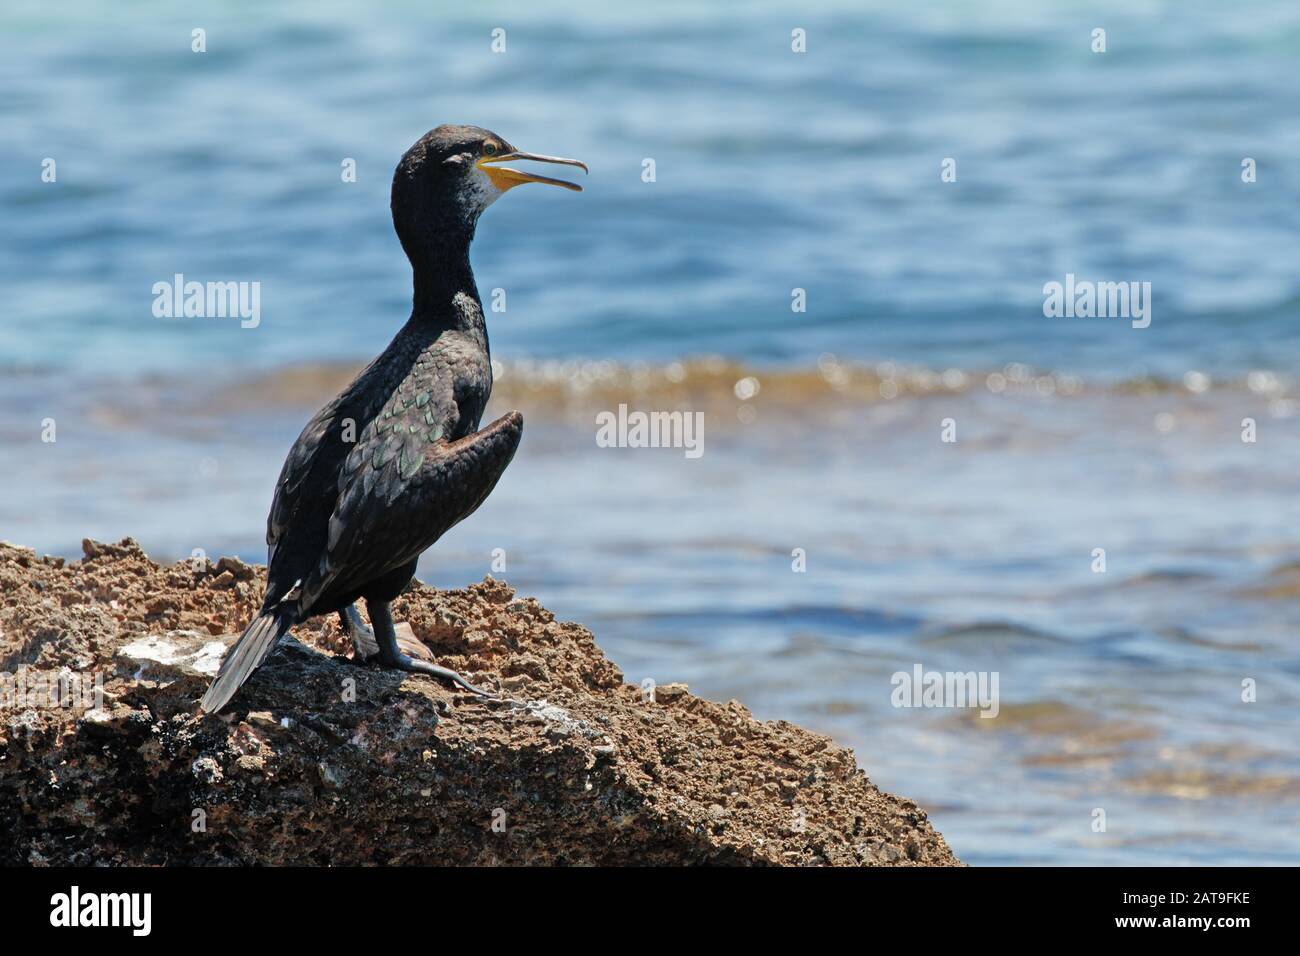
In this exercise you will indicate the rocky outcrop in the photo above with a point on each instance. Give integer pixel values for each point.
(321, 760)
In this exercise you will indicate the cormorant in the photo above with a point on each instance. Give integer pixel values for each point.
(387, 467)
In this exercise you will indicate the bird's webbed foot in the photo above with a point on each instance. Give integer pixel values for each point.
(404, 662)
(366, 646)
(363, 638)
(390, 654)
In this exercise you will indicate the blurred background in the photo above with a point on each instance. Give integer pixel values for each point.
(774, 171)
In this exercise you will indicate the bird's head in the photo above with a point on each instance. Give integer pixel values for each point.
(452, 173)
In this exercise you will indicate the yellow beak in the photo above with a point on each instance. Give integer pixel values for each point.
(503, 177)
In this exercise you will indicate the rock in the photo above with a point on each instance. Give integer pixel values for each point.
(237, 569)
(175, 654)
(320, 760)
(670, 691)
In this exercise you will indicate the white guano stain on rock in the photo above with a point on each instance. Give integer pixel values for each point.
(186, 651)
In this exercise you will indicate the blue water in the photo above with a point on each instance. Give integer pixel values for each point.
(774, 171)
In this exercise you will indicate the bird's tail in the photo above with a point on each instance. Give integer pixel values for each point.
(248, 653)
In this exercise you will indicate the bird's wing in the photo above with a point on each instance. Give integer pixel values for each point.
(297, 467)
(304, 492)
(399, 492)
(295, 525)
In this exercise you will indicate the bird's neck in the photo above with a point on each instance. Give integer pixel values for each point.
(446, 296)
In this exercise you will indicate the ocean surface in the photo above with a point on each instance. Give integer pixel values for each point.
(1174, 448)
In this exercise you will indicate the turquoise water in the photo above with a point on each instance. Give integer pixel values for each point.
(774, 171)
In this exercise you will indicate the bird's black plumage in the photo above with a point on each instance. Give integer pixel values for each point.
(387, 467)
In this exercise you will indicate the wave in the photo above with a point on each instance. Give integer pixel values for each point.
(554, 385)
(828, 394)
(989, 635)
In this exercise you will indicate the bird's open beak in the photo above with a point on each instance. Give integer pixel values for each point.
(503, 177)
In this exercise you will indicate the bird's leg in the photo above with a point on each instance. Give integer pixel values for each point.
(391, 656)
(363, 638)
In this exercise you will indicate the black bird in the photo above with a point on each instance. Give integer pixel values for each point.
(397, 459)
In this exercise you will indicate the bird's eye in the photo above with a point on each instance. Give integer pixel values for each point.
(490, 149)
